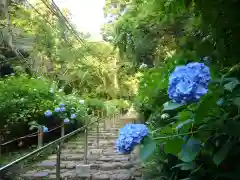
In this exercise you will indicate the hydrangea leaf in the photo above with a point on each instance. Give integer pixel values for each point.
(232, 128)
(147, 147)
(174, 146)
(207, 104)
(185, 166)
(190, 150)
(222, 153)
(231, 85)
(236, 101)
(184, 125)
(168, 106)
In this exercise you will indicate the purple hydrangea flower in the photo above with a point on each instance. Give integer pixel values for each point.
(58, 109)
(73, 116)
(188, 83)
(48, 113)
(45, 129)
(62, 109)
(66, 121)
(130, 136)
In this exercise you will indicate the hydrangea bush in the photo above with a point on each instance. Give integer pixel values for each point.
(67, 113)
(24, 99)
(192, 122)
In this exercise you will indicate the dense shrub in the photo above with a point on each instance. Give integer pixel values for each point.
(195, 140)
(24, 101)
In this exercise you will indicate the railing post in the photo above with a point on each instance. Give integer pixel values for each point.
(114, 124)
(104, 121)
(58, 164)
(85, 145)
(112, 120)
(98, 130)
(40, 136)
(62, 130)
(1, 140)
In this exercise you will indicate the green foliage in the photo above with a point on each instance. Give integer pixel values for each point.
(200, 136)
(146, 148)
(198, 140)
(24, 100)
(91, 69)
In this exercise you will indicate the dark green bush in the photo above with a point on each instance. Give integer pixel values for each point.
(23, 103)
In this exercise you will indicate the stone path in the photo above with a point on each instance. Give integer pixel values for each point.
(105, 163)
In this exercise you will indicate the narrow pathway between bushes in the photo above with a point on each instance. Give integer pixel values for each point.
(106, 165)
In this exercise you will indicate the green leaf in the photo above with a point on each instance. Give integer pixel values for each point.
(185, 166)
(168, 106)
(181, 124)
(232, 128)
(231, 85)
(236, 101)
(147, 148)
(190, 150)
(174, 146)
(206, 105)
(222, 153)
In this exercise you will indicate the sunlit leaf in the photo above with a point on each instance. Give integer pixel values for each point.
(231, 85)
(171, 106)
(185, 166)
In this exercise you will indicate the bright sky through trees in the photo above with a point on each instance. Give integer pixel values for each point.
(87, 15)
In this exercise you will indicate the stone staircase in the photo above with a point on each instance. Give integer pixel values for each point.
(104, 163)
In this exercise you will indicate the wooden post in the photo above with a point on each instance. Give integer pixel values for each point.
(85, 145)
(98, 129)
(58, 163)
(62, 130)
(40, 136)
(104, 121)
(1, 140)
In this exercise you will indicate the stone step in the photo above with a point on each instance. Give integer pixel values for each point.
(97, 163)
(93, 145)
(94, 155)
(49, 174)
(118, 174)
(108, 137)
(108, 166)
(104, 164)
(103, 133)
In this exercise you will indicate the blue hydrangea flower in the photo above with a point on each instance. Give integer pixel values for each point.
(62, 109)
(62, 105)
(48, 113)
(130, 135)
(45, 129)
(66, 121)
(58, 109)
(73, 116)
(188, 83)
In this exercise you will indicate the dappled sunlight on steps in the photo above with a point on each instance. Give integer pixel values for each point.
(105, 163)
